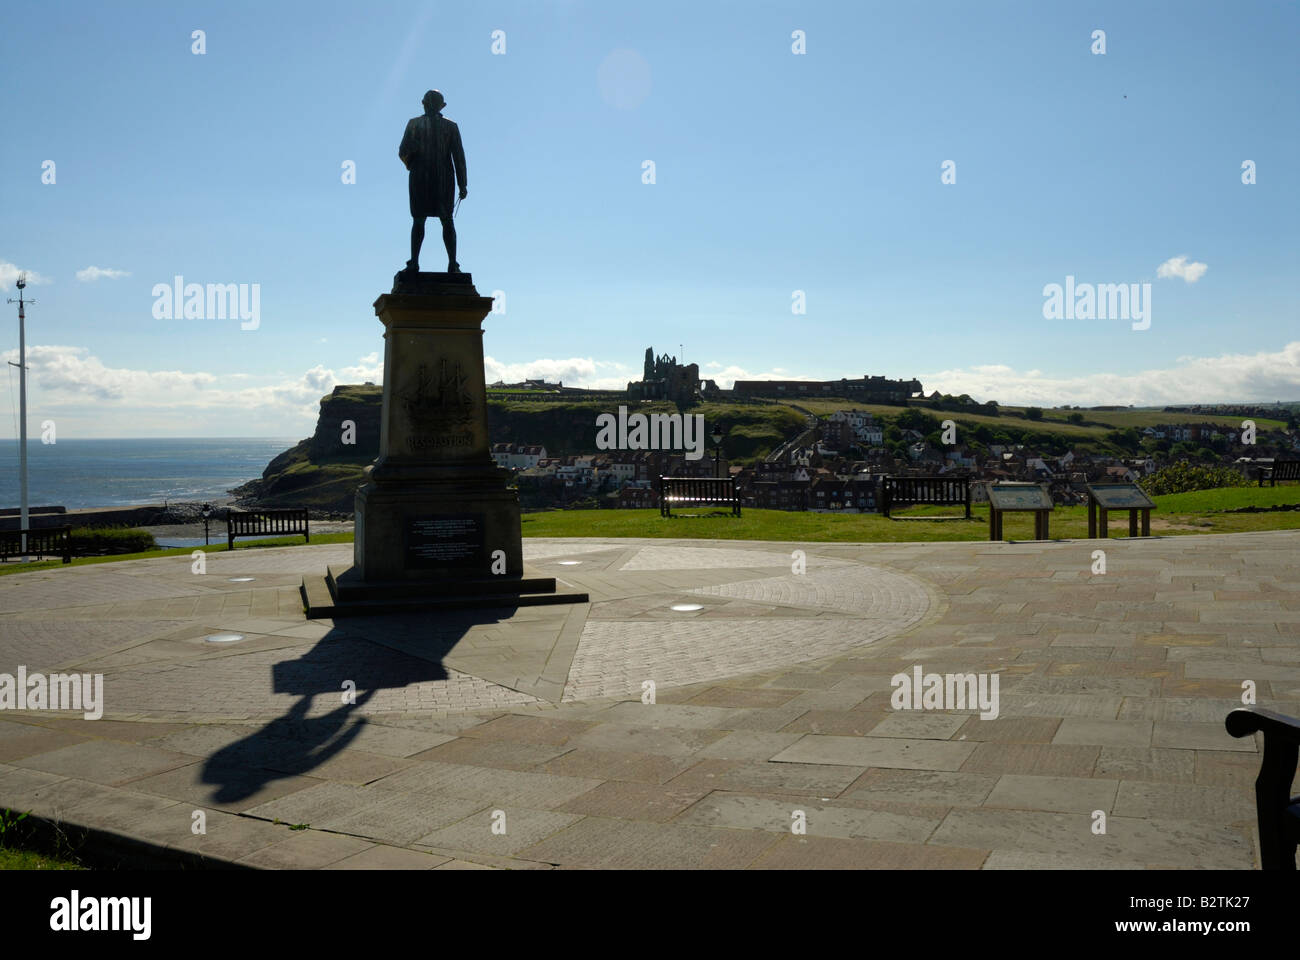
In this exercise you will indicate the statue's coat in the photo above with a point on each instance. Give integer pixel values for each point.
(432, 151)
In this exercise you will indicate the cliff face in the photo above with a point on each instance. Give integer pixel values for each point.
(360, 405)
(323, 471)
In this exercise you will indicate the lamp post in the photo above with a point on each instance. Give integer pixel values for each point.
(22, 406)
(207, 512)
(717, 451)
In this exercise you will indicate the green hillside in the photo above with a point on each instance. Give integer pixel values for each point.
(1096, 423)
(320, 472)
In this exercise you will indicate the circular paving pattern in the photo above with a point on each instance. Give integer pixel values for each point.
(662, 611)
(752, 625)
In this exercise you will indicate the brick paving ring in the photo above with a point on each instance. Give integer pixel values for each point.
(746, 626)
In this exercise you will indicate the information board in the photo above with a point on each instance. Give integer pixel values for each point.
(1120, 496)
(1016, 497)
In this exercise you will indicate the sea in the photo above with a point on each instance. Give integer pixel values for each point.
(78, 473)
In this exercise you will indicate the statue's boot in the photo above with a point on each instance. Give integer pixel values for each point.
(453, 267)
(412, 267)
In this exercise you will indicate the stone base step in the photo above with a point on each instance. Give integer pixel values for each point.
(322, 600)
(346, 586)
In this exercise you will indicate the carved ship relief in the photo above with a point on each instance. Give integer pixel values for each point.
(441, 404)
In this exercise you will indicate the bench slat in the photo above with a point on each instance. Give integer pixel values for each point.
(41, 542)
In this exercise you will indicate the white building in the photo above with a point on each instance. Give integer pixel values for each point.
(517, 457)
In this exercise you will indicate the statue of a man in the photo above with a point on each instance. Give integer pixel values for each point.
(431, 150)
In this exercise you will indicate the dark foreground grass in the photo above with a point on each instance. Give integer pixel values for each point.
(20, 851)
(12, 859)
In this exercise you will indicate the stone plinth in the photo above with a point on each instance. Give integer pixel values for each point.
(435, 505)
(435, 510)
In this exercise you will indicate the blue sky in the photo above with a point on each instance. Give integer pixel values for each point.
(774, 172)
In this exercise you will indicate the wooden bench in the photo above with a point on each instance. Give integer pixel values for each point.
(41, 543)
(1276, 810)
(256, 523)
(929, 491)
(697, 492)
(1280, 470)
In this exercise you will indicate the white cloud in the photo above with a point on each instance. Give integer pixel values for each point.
(1264, 376)
(574, 372)
(1179, 267)
(726, 377)
(72, 372)
(368, 368)
(71, 383)
(96, 273)
(610, 375)
(68, 376)
(9, 273)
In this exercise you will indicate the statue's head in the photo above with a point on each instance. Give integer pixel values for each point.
(433, 102)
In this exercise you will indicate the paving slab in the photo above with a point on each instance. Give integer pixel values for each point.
(825, 853)
(305, 850)
(499, 831)
(737, 811)
(787, 779)
(923, 787)
(1154, 841)
(104, 761)
(877, 752)
(634, 801)
(598, 842)
(1056, 794)
(540, 790)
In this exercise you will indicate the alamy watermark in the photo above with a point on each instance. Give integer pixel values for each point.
(656, 431)
(75, 913)
(946, 691)
(1102, 301)
(58, 691)
(214, 301)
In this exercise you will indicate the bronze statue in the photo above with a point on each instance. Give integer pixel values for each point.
(431, 150)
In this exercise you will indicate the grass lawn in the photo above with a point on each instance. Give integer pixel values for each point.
(1067, 523)
(1204, 511)
(6, 568)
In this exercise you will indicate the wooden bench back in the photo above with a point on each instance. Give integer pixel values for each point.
(706, 491)
(250, 522)
(931, 491)
(41, 542)
(936, 491)
(267, 521)
(722, 489)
